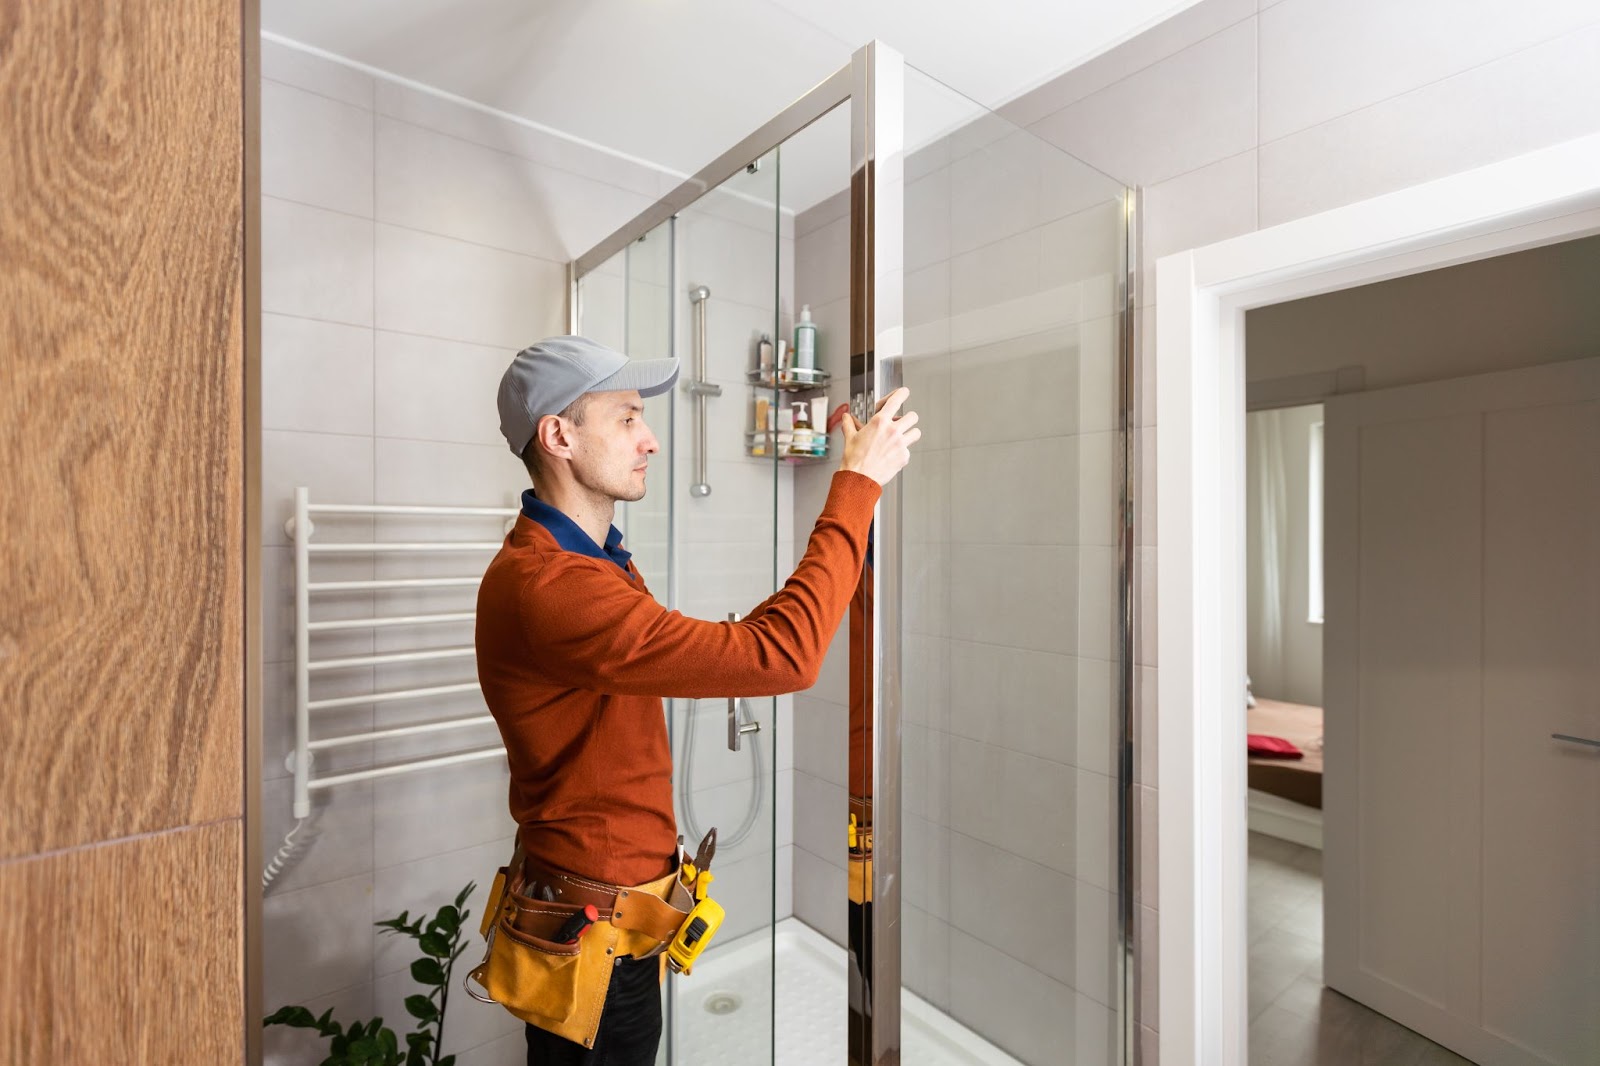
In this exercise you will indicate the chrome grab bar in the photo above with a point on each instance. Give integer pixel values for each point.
(1575, 740)
(735, 729)
(700, 388)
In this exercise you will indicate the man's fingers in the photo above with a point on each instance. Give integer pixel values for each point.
(848, 425)
(893, 402)
(907, 420)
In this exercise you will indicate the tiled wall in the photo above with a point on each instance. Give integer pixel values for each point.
(410, 246)
(1241, 114)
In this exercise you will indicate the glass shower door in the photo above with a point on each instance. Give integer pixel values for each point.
(704, 286)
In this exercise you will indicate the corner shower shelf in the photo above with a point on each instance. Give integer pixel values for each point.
(753, 437)
(791, 379)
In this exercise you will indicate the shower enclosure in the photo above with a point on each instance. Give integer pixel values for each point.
(924, 857)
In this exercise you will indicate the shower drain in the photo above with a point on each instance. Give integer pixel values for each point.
(723, 1003)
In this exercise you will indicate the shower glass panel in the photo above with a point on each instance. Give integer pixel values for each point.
(715, 267)
(1011, 620)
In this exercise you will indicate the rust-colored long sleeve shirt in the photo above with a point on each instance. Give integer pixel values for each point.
(575, 655)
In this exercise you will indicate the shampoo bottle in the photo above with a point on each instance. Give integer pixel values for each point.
(805, 341)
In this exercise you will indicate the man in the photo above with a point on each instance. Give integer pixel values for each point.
(575, 656)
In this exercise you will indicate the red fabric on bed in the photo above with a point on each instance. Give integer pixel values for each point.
(1265, 747)
(1299, 780)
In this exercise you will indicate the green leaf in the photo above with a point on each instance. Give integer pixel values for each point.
(435, 945)
(448, 1060)
(422, 1007)
(462, 896)
(295, 1016)
(428, 972)
(448, 919)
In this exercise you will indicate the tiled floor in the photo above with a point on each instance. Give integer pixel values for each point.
(1294, 1021)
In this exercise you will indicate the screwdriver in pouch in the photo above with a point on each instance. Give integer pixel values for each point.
(573, 927)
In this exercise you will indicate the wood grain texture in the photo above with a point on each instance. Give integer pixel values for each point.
(120, 405)
(126, 953)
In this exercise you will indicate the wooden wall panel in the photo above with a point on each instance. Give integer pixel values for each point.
(120, 436)
(125, 953)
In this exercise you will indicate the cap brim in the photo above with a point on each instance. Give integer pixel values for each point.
(650, 377)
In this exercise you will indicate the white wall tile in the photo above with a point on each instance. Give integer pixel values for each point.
(315, 376)
(998, 496)
(925, 947)
(927, 225)
(1015, 390)
(822, 264)
(315, 263)
(448, 288)
(540, 145)
(420, 887)
(1164, 39)
(1024, 1012)
(336, 468)
(445, 185)
(1016, 906)
(819, 888)
(989, 786)
(437, 390)
(1320, 59)
(430, 812)
(1022, 598)
(1539, 96)
(821, 731)
(1022, 701)
(738, 263)
(1095, 809)
(926, 875)
(315, 150)
(821, 814)
(1206, 205)
(316, 940)
(433, 472)
(293, 66)
(1194, 108)
(335, 844)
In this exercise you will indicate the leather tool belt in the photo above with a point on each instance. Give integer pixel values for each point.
(561, 987)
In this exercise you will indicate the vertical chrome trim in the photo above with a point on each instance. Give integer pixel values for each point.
(1127, 552)
(250, 72)
(573, 312)
(877, 120)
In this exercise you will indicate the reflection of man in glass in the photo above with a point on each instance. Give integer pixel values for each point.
(859, 826)
(574, 657)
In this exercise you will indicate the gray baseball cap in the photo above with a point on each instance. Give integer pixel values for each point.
(546, 377)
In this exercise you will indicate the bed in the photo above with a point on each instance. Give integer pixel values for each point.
(1286, 794)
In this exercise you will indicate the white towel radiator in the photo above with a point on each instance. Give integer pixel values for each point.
(301, 528)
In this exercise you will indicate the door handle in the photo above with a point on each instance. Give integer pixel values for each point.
(736, 729)
(1575, 740)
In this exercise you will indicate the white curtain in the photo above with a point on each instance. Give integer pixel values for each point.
(1267, 494)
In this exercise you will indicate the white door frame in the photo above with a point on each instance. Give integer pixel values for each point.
(1539, 198)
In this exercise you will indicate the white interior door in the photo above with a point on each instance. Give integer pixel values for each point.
(1462, 841)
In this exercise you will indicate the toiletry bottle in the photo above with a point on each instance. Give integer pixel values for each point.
(764, 357)
(800, 443)
(785, 430)
(805, 341)
(819, 425)
(783, 357)
(759, 445)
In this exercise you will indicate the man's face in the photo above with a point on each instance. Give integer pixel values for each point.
(613, 446)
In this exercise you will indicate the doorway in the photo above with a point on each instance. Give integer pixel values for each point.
(1531, 201)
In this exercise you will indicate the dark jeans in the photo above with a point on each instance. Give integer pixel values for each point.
(630, 1026)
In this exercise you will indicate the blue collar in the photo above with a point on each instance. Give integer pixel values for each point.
(571, 536)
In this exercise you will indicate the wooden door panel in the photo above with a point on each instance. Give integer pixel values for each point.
(121, 386)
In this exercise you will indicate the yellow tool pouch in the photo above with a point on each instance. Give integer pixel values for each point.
(559, 987)
(860, 884)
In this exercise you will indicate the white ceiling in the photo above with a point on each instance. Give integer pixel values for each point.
(678, 82)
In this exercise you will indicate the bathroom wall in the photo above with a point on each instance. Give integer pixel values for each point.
(1013, 259)
(1240, 114)
(410, 246)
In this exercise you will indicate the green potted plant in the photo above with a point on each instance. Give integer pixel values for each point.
(372, 1043)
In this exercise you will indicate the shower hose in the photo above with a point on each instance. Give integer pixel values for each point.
(691, 824)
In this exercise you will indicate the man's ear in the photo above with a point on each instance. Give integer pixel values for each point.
(555, 436)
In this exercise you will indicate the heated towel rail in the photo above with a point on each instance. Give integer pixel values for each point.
(302, 529)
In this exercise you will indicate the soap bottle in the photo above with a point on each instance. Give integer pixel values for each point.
(764, 357)
(801, 442)
(805, 341)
